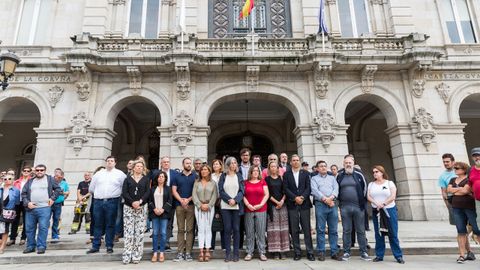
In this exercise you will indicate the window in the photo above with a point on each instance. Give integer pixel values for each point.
(353, 17)
(34, 21)
(271, 18)
(144, 18)
(458, 21)
(244, 25)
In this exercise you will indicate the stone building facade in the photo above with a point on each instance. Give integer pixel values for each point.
(394, 82)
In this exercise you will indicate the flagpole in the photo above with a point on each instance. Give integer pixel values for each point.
(253, 32)
(182, 41)
(182, 24)
(323, 41)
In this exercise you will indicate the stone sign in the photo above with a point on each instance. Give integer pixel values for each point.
(54, 78)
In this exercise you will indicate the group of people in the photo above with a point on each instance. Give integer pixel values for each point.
(35, 199)
(460, 187)
(269, 207)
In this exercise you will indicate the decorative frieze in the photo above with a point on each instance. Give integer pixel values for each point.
(183, 81)
(78, 135)
(331, 2)
(368, 78)
(252, 77)
(425, 130)
(325, 123)
(182, 133)
(54, 95)
(418, 82)
(321, 74)
(135, 77)
(117, 2)
(444, 91)
(378, 2)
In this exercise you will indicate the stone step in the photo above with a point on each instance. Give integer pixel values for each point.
(79, 255)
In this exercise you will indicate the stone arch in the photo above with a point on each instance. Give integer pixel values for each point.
(266, 91)
(226, 130)
(113, 104)
(31, 95)
(390, 105)
(457, 97)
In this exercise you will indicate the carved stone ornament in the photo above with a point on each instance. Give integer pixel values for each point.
(54, 95)
(331, 2)
(183, 82)
(324, 132)
(378, 2)
(253, 74)
(182, 134)
(418, 82)
(444, 91)
(78, 136)
(368, 78)
(321, 76)
(83, 81)
(425, 131)
(135, 77)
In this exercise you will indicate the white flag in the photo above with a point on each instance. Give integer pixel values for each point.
(183, 27)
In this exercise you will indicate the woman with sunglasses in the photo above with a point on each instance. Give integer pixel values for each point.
(19, 183)
(381, 194)
(9, 198)
(463, 206)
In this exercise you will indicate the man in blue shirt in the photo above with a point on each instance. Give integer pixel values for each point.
(444, 179)
(182, 188)
(57, 205)
(325, 192)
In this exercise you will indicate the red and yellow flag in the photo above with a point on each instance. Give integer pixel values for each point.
(247, 9)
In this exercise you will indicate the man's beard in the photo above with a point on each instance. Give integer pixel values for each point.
(349, 170)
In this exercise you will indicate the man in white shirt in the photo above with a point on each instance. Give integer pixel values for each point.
(106, 187)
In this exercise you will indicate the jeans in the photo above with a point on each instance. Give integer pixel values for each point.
(353, 215)
(119, 219)
(105, 214)
(40, 217)
(326, 215)
(56, 215)
(159, 231)
(477, 206)
(392, 234)
(463, 217)
(231, 224)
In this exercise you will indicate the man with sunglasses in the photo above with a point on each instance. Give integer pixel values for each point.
(20, 209)
(38, 195)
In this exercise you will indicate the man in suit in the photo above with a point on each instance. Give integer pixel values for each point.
(284, 162)
(297, 190)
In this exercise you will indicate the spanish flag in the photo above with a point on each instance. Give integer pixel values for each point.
(247, 9)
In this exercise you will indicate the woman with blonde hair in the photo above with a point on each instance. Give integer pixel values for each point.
(135, 192)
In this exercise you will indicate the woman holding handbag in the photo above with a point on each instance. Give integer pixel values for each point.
(160, 205)
(9, 198)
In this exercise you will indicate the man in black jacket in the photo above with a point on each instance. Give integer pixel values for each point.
(298, 189)
(352, 196)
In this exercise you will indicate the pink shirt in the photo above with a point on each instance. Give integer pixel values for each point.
(254, 194)
(474, 182)
(281, 171)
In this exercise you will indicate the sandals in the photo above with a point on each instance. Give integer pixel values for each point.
(207, 255)
(461, 259)
(201, 257)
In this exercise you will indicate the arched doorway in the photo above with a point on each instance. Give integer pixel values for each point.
(470, 114)
(136, 127)
(264, 126)
(18, 118)
(367, 139)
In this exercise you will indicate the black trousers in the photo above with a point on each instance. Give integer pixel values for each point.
(296, 218)
(20, 209)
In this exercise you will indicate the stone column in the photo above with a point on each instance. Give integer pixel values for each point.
(164, 19)
(117, 29)
(305, 143)
(378, 18)
(331, 6)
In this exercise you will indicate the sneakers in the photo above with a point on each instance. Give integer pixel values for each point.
(461, 259)
(179, 258)
(365, 257)
(188, 257)
(346, 257)
(470, 256)
(400, 260)
(377, 259)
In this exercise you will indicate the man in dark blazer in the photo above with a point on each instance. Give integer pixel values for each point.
(298, 189)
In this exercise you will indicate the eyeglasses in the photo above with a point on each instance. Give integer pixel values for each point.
(10, 179)
(39, 170)
(458, 168)
(27, 171)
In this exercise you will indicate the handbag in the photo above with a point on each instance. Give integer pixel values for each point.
(9, 216)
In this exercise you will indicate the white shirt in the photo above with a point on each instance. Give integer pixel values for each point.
(231, 188)
(381, 193)
(107, 184)
(295, 176)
